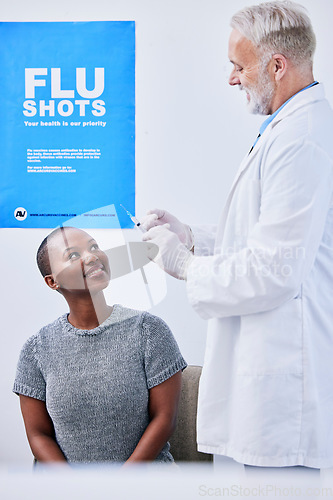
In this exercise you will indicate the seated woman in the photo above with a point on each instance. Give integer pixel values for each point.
(101, 383)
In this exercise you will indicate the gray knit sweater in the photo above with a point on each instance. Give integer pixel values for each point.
(96, 382)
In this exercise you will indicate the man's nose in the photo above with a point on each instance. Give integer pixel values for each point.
(233, 78)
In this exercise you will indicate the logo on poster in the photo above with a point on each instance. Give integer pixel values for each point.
(20, 213)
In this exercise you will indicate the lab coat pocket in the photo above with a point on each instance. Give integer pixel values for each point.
(270, 342)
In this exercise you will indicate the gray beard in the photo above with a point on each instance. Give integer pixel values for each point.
(261, 97)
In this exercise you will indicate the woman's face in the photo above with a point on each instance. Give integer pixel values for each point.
(76, 261)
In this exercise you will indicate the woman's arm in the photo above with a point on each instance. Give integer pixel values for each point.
(40, 430)
(163, 407)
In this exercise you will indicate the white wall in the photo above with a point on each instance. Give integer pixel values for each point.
(192, 130)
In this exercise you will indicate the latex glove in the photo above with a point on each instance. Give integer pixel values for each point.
(158, 217)
(173, 257)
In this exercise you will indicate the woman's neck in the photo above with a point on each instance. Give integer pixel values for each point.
(87, 312)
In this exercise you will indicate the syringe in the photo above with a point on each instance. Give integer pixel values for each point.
(138, 225)
(133, 219)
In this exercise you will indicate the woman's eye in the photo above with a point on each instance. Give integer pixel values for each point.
(94, 247)
(73, 255)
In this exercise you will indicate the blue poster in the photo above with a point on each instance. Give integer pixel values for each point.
(67, 130)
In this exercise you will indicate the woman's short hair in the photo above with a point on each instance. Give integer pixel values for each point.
(280, 27)
(42, 257)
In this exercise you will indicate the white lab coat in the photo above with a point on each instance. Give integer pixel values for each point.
(266, 391)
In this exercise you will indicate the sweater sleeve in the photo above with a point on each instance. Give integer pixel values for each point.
(162, 357)
(29, 380)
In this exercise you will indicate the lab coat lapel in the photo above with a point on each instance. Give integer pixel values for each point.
(313, 94)
(243, 166)
(316, 93)
(247, 160)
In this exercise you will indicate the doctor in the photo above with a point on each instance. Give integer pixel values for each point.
(263, 278)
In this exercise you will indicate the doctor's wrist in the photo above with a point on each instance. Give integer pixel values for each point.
(189, 238)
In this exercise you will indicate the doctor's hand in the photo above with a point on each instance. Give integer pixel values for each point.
(158, 217)
(173, 257)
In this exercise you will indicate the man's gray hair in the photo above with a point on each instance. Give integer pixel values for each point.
(280, 27)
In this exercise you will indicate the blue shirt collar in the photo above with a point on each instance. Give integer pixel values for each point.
(271, 117)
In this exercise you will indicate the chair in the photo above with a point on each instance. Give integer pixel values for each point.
(183, 445)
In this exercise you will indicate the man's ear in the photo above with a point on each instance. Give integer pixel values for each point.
(51, 282)
(280, 66)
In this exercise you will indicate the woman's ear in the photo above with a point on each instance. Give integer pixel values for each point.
(51, 282)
